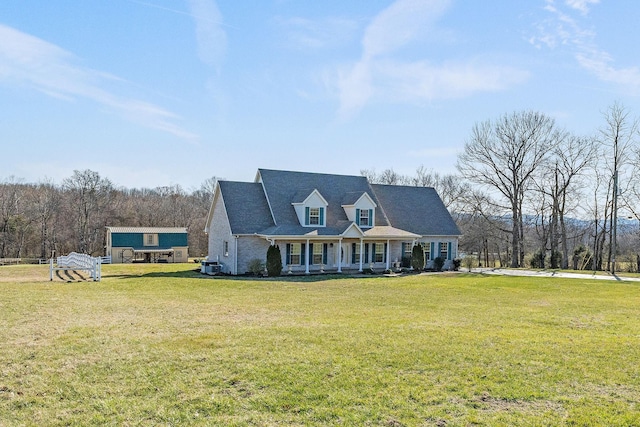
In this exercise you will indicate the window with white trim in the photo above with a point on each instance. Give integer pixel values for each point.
(314, 216)
(364, 218)
(444, 250)
(426, 248)
(294, 255)
(225, 248)
(317, 253)
(407, 250)
(150, 240)
(380, 252)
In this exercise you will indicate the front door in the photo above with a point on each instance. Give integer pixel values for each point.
(345, 254)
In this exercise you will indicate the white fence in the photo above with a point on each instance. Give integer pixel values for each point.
(76, 261)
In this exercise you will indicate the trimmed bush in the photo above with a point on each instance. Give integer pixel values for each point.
(417, 257)
(438, 263)
(274, 261)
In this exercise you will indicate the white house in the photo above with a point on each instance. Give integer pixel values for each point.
(324, 222)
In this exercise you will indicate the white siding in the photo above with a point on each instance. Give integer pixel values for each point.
(220, 232)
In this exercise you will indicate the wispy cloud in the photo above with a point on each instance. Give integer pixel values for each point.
(564, 29)
(303, 33)
(379, 75)
(210, 36)
(581, 5)
(34, 63)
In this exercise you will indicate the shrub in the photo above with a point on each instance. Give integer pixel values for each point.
(456, 264)
(469, 262)
(255, 267)
(537, 259)
(274, 261)
(406, 262)
(417, 257)
(582, 258)
(438, 263)
(555, 259)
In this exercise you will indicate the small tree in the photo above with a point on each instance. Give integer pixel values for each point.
(274, 261)
(438, 263)
(417, 257)
(469, 262)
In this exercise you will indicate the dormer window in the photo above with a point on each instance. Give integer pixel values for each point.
(364, 218)
(314, 217)
(360, 210)
(311, 208)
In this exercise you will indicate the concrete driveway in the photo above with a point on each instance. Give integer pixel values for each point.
(550, 273)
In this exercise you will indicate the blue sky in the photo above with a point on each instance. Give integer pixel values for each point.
(161, 92)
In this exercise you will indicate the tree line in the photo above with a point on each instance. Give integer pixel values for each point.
(529, 193)
(39, 220)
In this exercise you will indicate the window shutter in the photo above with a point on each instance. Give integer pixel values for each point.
(358, 217)
(303, 254)
(449, 252)
(310, 253)
(431, 252)
(288, 253)
(366, 253)
(384, 257)
(306, 216)
(353, 253)
(373, 252)
(370, 217)
(321, 216)
(324, 253)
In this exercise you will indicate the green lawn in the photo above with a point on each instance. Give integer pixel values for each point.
(163, 345)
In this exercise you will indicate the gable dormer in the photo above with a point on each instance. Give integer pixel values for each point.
(362, 211)
(311, 210)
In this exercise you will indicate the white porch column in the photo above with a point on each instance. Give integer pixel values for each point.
(340, 255)
(361, 254)
(306, 259)
(388, 253)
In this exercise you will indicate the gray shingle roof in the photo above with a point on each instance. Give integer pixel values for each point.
(247, 207)
(285, 187)
(401, 209)
(416, 209)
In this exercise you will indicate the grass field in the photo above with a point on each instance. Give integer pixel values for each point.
(163, 345)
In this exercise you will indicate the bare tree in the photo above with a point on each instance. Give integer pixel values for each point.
(89, 197)
(619, 135)
(46, 201)
(502, 156)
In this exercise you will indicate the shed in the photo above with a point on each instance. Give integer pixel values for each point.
(147, 244)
